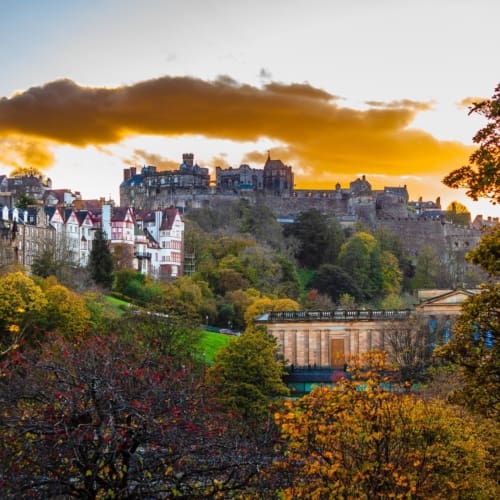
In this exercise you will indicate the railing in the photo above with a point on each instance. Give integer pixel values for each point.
(339, 315)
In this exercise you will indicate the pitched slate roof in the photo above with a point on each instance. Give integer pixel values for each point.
(169, 215)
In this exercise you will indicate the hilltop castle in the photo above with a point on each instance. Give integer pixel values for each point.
(419, 223)
(273, 185)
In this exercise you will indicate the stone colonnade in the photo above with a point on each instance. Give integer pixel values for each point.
(329, 344)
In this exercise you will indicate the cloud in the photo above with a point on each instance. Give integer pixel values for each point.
(141, 157)
(320, 138)
(19, 152)
(404, 103)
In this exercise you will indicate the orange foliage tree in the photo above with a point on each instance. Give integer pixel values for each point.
(361, 440)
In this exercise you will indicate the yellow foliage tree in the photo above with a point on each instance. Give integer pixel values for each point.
(365, 442)
(262, 305)
(66, 311)
(20, 300)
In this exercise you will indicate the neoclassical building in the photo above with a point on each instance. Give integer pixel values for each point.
(328, 338)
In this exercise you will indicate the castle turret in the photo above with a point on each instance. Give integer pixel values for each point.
(188, 159)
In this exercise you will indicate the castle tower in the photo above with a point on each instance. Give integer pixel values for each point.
(188, 159)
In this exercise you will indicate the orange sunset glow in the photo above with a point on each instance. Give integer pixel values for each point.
(82, 120)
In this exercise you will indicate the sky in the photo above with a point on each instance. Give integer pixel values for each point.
(335, 88)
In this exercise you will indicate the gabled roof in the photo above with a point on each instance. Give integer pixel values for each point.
(120, 213)
(169, 215)
(58, 194)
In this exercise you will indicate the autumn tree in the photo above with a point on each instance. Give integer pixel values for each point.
(366, 442)
(123, 256)
(21, 302)
(103, 419)
(170, 334)
(474, 345)
(458, 213)
(248, 376)
(66, 311)
(101, 260)
(263, 304)
(481, 177)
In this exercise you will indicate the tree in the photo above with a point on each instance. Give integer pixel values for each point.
(474, 344)
(487, 252)
(319, 238)
(474, 347)
(123, 256)
(261, 305)
(410, 348)
(101, 260)
(24, 200)
(259, 221)
(66, 312)
(481, 177)
(247, 375)
(458, 213)
(392, 276)
(103, 419)
(360, 258)
(427, 268)
(168, 333)
(355, 441)
(334, 281)
(21, 302)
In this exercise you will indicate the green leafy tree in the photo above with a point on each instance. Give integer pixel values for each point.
(248, 376)
(168, 333)
(360, 257)
(481, 177)
(259, 221)
(24, 200)
(427, 268)
(392, 276)
(101, 260)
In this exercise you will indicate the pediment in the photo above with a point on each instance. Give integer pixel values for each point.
(451, 297)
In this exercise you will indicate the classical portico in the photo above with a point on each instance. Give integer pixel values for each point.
(328, 338)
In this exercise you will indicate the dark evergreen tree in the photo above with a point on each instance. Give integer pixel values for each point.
(334, 281)
(101, 260)
(319, 238)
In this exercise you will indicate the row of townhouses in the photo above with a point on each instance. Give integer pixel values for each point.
(151, 241)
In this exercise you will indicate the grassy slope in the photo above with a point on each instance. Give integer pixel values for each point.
(211, 342)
